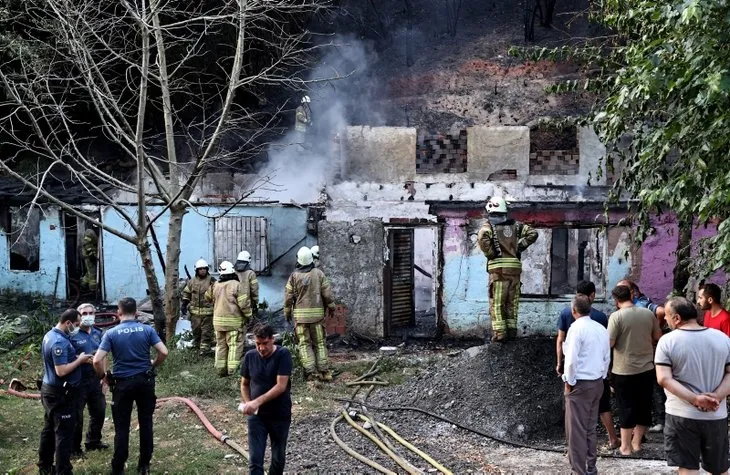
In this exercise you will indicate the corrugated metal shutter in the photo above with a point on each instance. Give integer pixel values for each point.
(234, 234)
(401, 267)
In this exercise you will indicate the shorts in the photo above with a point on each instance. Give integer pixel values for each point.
(634, 395)
(604, 405)
(688, 440)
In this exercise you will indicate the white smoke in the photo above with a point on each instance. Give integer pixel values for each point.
(300, 166)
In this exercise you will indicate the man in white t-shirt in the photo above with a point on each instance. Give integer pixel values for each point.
(693, 367)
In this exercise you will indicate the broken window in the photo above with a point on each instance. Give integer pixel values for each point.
(441, 153)
(554, 151)
(576, 254)
(22, 229)
(561, 258)
(233, 234)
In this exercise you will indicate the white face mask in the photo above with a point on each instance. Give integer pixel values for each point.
(88, 320)
(74, 331)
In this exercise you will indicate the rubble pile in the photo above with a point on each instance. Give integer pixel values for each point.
(509, 390)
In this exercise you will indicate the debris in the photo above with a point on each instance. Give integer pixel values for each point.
(473, 351)
(454, 353)
(388, 350)
(231, 456)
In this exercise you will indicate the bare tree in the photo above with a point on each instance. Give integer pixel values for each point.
(166, 86)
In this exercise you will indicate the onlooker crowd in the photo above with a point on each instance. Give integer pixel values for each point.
(692, 375)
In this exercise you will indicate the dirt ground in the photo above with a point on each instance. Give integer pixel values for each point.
(505, 390)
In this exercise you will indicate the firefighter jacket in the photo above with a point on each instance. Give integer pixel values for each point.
(194, 294)
(307, 295)
(90, 245)
(231, 304)
(303, 118)
(247, 278)
(503, 243)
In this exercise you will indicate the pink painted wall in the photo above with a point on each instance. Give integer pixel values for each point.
(655, 276)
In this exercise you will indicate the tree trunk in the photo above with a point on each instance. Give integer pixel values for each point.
(682, 267)
(172, 264)
(153, 287)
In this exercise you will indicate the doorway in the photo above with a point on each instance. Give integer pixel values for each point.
(411, 281)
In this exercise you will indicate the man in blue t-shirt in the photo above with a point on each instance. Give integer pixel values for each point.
(132, 381)
(61, 377)
(266, 400)
(87, 340)
(565, 320)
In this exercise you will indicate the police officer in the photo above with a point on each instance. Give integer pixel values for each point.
(62, 374)
(132, 381)
(87, 340)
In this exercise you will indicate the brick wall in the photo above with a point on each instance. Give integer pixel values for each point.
(441, 153)
(554, 162)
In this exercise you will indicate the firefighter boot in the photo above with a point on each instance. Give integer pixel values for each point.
(498, 336)
(325, 376)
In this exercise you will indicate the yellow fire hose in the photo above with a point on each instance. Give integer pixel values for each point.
(379, 439)
(409, 446)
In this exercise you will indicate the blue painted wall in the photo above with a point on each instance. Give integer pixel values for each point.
(52, 256)
(124, 276)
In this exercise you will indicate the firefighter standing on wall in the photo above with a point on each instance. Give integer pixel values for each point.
(306, 297)
(231, 311)
(247, 278)
(201, 309)
(502, 240)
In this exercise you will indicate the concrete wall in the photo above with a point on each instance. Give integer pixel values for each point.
(493, 149)
(388, 155)
(465, 298)
(124, 275)
(379, 153)
(353, 259)
(52, 260)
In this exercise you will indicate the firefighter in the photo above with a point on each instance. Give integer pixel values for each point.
(231, 311)
(247, 278)
(503, 240)
(303, 116)
(306, 298)
(90, 254)
(315, 255)
(201, 310)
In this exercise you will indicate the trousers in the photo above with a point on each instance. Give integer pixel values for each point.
(581, 417)
(203, 335)
(229, 351)
(259, 429)
(91, 396)
(59, 422)
(504, 298)
(312, 346)
(139, 390)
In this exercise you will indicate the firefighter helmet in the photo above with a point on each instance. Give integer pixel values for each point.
(201, 264)
(306, 100)
(496, 204)
(244, 256)
(226, 268)
(315, 252)
(304, 256)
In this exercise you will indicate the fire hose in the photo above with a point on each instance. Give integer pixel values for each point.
(379, 438)
(218, 435)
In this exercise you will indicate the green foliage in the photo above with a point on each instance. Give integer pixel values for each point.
(663, 110)
(184, 373)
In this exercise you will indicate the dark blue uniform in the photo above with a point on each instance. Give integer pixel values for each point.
(89, 393)
(58, 398)
(134, 382)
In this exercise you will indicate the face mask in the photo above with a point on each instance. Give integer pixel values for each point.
(88, 320)
(74, 331)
